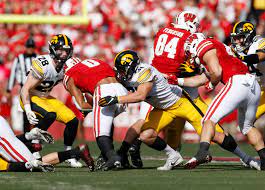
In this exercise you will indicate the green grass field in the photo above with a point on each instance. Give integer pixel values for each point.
(217, 175)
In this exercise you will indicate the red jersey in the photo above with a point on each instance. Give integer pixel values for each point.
(87, 73)
(169, 49)
(230, 65)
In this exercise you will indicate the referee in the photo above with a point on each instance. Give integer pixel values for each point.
(20, 68)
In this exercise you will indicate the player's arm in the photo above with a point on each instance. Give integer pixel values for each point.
(76, 92)
(139, 95)
(214, 68)
(195, 81)
(30, 83)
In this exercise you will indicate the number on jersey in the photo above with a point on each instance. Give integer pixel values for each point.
(90, 63)
(169, 47)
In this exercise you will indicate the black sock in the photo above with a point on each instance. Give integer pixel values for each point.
(46, 121)
(17, 167)
(65, 155)
(261, 153)
(229, 143)
(70, 132)
(204, 146)
(124, 147)
(105, 144)
(159, 144)
(137, 144)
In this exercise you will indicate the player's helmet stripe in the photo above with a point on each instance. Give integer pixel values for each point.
(65, 40)
(234, 28)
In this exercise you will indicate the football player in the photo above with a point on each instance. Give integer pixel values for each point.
(250, 48)
(16, 157)
(98, 78)
(241, 91)
(169, 59)
(40, 107)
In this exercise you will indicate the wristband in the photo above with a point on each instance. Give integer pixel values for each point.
(180, 81)
(27, 108)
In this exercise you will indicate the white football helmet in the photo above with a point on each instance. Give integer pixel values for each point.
(190, 46)
(187, 20)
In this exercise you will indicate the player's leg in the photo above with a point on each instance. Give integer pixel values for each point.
(103, 123)
(16, 153)
(134, 150)
(80, 152)
(224, 103)
(157, 121)
(260, 115)
(174, 132)
(246, 117)
(66, 116)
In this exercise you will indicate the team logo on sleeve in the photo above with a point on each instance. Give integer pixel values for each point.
(126, 59)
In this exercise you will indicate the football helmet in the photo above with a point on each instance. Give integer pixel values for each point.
(61, 48)
(125, 64)
(242, 35)
(187, 20)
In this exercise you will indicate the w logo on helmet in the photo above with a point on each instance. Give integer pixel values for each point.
(189, 17)
(248, 27)
(127, 58)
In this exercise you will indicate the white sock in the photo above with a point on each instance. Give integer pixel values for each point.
(35, 141)
(67, 147)
(169, 150)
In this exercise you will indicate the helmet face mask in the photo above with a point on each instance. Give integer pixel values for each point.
(242, 36)
(125, 65)
(61, 49)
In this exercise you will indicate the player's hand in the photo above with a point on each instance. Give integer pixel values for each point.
(108, 101)
(32, 118)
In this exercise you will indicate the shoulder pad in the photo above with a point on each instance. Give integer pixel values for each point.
(261, 43)
(144, 75)
(37, 69)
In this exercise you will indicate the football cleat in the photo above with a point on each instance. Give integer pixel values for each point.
(173, 160)
(86, 157)
(100, 162)
(74, 163)
(194, 162)
(255, 164)
(39, 165)
(113, 163)
(38, 134)
(135, 157)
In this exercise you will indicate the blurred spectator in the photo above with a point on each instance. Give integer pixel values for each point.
(19, 70)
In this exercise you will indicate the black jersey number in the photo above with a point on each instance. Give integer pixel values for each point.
(43, 61)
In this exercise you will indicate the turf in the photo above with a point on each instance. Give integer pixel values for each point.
(219, 175)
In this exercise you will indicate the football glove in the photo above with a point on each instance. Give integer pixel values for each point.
(209, 86)
(108, 101)
(32, 118)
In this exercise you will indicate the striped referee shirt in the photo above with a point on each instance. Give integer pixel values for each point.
(20, 68)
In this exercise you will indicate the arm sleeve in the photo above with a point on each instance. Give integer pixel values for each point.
(203, 47)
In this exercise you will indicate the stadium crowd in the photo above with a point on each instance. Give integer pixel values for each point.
(116, 25)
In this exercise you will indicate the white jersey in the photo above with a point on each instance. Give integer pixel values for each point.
(258, 44)
(162, 95)
(44, 69)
